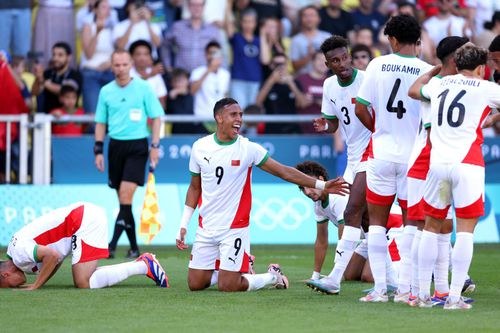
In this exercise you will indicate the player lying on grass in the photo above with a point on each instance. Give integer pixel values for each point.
(79, 230)
(331, 207)
(221, 165)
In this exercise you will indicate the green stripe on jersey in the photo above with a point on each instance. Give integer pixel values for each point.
(341, 222)
(194, 174)
(321, 222)
(362, 101)
(328, 116)
(422, 95)
(35, 256)
(263, 160)
(427, 125)
(224, 143)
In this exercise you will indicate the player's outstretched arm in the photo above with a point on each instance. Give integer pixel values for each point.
(50, 259)
(414, 91)
(292, 175)
(192, 198)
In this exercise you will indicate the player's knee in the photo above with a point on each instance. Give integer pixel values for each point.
(227, 287)
(197, 285)
(82, 283)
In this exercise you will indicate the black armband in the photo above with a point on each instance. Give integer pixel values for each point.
(98, 148)
(155, 145)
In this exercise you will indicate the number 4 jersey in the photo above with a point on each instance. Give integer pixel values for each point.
(396, 116)
(459, 106)
(225, 169)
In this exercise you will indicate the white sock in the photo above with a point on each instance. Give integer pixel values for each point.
(414, 263)
(441, 283)
(316, 275)
(427, 254)
(214, 279)
(377, 253)
(392, 277)
(461, 258)
(343, 253)
(405, 254)
(106, 276)
(259, 281)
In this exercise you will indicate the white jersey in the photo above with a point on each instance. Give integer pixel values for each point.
(333, 209)
(459, 106)
(338, 103)
(396, 116)
(226, 177)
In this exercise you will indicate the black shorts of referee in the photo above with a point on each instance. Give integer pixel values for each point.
(127, 161)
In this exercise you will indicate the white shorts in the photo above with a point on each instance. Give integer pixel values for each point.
(352, 169)
(229, 246)
(385, 180)
(460, 184)
(416, 188)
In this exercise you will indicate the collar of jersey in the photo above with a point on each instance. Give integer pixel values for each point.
(439, 76)
(404, 55)
(342, 84)
(327, 202)
(222, 143)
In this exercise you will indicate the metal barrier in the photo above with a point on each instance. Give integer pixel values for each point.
(23, 125)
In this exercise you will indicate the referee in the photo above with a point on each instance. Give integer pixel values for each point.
(124, 106)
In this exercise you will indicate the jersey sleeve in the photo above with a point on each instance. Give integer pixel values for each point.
(365, 93)
(194, 167)
(319, 216)
(327, 108)
(493, 95)
(258, 154)
(339, 206)
(101, 112)
(425, 108)
(23, 254)
(152, 103)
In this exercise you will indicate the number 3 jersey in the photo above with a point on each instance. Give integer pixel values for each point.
(338, 103)
(225, 169)
(396, 116)
(459, 106)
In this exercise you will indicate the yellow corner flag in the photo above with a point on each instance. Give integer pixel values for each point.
(150, 216)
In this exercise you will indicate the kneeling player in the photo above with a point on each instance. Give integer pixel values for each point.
(79, 230)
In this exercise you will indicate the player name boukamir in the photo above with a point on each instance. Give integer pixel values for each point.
(400, 68)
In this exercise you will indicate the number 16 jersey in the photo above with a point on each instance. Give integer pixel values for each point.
(396, 116)
(225, 169)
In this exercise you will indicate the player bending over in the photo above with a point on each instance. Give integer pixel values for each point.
(79, 230)
(221, 164)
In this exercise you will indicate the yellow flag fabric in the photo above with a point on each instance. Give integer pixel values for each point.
(150, 217)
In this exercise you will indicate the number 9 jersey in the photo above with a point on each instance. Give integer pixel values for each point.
(396, 116)
(226, 175)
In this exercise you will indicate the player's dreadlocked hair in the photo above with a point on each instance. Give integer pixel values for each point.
(404, 28)
(448, 45)
(222, 103)
(469, 56)
(332, 43)
(313, 169)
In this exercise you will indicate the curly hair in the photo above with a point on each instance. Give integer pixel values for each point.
(313, 169)
(404, 28)
(332, 43)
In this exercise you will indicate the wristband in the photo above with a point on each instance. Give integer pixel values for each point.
(326, 127)
(155, 145)
(186, 216)
(98, 148)
(320, 185)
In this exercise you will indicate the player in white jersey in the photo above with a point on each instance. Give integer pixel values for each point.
(79, 230)
(221, 166)
(459, 106)
(418, 168)
(395, 120)
(339, 94)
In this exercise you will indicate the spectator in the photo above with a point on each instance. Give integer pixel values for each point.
(368, 16)
(180, 101)
(480, 11)
(97, 47)
(15, 30)
(272, 43)
(307, 41)
(446, 24)
(69, 99)
(364, 36)
(54, 22)
(267, 8)
(209, 83)
(311, 84)
(429, 8)
(494, 55)
(137, 26)
(492, 29)
(48, 82)
(280, 95)
(173, 10)
(335, 20)
(86, 15)
(361, 56)
(249, 128)
(17, 67)
(143, 68)
(189, 39)
(158, 10)
(246, 70)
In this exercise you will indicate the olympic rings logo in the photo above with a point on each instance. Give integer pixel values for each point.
(274, 212)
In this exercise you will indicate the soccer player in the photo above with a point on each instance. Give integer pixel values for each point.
(417, 174)
(339, 93)
(456, 173)
(221, 165)
(395, 122)
(79, 230)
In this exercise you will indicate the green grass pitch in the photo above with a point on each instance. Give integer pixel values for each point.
(137, 305)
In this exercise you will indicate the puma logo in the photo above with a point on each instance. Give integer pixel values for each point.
(207, 159)
(333, 101)
(340, 252)
(233, 260)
